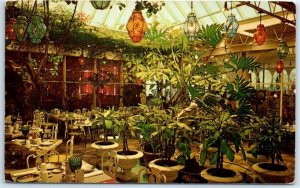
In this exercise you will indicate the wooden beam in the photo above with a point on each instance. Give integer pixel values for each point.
(267, 12)
(250, 47)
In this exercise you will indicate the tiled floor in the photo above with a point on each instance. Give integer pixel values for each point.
(89, 155)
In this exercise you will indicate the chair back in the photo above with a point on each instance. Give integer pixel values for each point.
(153, 176)
(113, 164)
(70, 147)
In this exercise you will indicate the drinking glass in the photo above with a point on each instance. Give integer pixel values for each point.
(75, 163)
(25, 131)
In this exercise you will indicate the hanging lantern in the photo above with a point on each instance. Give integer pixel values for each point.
(136, 26)
(191, 27)
(99, 4)
(81, 60)
(87, 89)
(260, 35)
(9, 30)
(279, 66)
(231, 26)
(20, 28)
(36, 29)
(282, 49)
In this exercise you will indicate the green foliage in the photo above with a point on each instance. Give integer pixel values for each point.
(55, 60)
(241, 63)
(211, 34)
(268, 138)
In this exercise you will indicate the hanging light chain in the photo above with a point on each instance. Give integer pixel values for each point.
(191, 5)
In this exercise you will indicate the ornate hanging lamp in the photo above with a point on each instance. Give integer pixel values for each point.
(9, 30)
(36, 29)
(282, 49)
(260, 34)
(20, 28)
(100, 4)
(191, 27)
(279, 66)
(136, 26)
(71, 1)
(231, 26)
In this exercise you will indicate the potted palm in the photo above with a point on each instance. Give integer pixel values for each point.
(268, 138)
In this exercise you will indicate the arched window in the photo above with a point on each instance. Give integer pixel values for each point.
(266, 79)
(277, 79)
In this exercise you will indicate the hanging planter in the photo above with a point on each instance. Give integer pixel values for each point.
(231, 26)
(136, 26)
(36, 29)
(9, 30)
(279, 66)
(260, 34)
(71, 1)
(20, 28)
(99, 4)
(282, 49)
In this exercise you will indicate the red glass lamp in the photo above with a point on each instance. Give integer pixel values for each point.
(81, 60)
(279, 66)
(260, 34)
(9, 30)
(136, 26)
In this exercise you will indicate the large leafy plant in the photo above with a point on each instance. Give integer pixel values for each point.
(269, 135)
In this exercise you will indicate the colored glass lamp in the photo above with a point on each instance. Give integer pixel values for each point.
(231, 26)
(36, 29)
(260, 34)
(99, 4)
(136, 26)
(9, 30)
(81, 60)
(191, 27)
(20, 28)
(279, 66)
(282, 49)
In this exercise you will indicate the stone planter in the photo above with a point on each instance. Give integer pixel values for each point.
(103, 152)
(148, 157)
(127, 162)
(229, 176)
(272, 174)
(169, 170)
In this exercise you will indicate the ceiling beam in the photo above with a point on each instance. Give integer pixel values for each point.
(290, 6)
(250, 47)
(267, 12)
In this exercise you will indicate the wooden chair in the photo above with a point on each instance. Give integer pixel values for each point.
(65, 156)
(153, 177)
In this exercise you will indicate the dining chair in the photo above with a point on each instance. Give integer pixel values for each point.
(63, 157)
(113, 164)
(39, 158)
(76, 130)
(152, 176)
(50, 131)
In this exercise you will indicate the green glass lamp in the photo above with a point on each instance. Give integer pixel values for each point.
(231, 26)
(100, 4)
(36, 29)
(20, 28)
(282, 49)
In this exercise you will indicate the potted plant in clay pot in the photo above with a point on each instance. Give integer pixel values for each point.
(127, 159)
(229, 122)
(103, 148)
(167, 134)
(268, 138)
(146, 122)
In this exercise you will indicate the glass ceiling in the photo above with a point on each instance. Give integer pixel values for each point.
(174, 13)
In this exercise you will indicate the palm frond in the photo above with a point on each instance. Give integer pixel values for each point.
(211, 34)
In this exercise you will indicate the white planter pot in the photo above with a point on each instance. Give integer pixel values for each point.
(103, 152)
(272, 176)
(237, 178)
(170, 172)
(127, 162)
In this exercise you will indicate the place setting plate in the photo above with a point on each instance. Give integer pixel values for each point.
(28, 178)
(57, 170)
(52, 166)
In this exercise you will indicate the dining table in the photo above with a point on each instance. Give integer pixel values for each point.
(56, 171)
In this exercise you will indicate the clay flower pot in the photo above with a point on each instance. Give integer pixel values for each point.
(212, 175)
